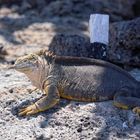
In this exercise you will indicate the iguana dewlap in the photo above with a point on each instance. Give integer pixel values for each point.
(77, 78)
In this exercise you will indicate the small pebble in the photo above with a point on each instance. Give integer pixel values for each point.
(125, 125)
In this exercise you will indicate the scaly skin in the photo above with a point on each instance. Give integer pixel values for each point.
(77, 78)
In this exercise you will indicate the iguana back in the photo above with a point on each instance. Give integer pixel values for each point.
(90, 79)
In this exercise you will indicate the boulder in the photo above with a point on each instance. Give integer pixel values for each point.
(125, 42)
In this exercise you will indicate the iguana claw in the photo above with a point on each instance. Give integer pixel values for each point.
(136, 110)
(30, 110)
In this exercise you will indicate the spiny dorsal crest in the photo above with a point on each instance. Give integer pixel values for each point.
(45, 52)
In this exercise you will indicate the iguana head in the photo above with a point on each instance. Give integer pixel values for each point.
(33, 62)
(34, 66)
(27, 63)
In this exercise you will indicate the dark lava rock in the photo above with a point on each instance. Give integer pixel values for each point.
(70, 45)
(117, 9)
(125, 42)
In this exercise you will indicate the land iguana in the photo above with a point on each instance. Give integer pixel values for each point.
(77, 78)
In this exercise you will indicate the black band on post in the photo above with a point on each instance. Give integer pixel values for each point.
(99, 50)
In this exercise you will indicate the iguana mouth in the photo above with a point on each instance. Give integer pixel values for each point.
(11, 67)
(17, 67)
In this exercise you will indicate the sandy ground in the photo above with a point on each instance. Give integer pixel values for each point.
(21, 34)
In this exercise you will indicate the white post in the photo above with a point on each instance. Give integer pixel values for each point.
(99, 28)
(99, 32)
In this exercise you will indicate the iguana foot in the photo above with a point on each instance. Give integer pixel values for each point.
(30, 110)
(136, 110)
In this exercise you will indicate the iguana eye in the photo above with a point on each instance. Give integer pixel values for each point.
(24, 60)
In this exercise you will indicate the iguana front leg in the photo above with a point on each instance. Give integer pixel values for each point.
(52, 97)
